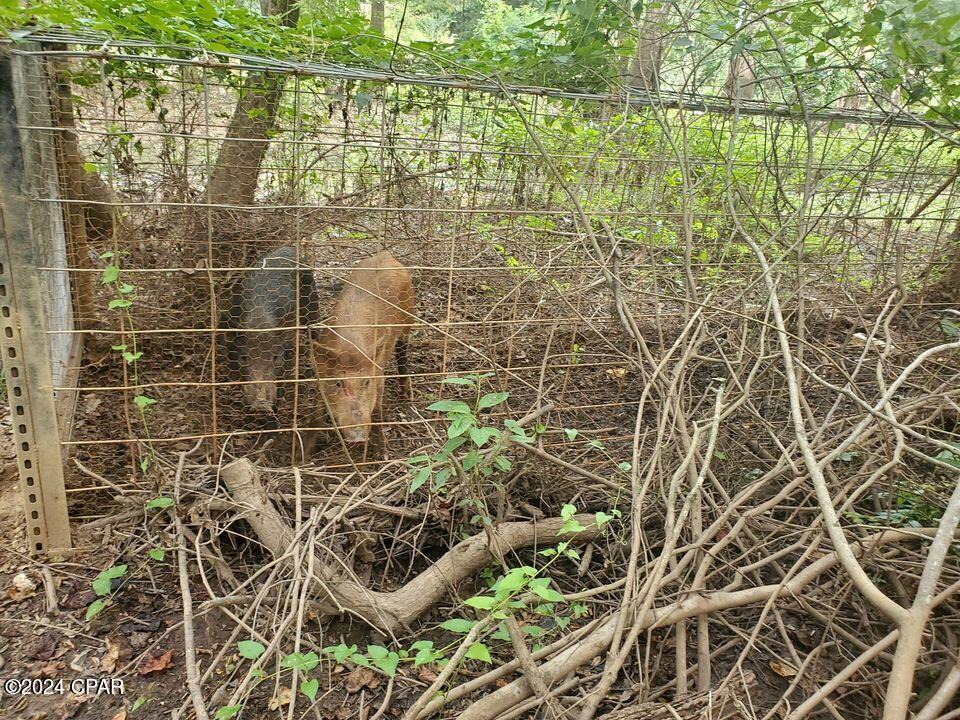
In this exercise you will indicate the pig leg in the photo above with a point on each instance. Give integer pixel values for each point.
(382, 444)
(401, 353)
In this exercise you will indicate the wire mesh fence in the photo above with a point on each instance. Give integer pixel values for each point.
(482, 195)
(317, 265)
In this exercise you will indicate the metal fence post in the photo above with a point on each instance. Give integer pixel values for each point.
(23, 326)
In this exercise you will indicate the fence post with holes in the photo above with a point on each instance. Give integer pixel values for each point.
(24, 342)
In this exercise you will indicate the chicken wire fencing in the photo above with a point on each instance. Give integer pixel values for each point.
(194, 221)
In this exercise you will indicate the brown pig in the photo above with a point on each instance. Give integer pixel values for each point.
(370, 321)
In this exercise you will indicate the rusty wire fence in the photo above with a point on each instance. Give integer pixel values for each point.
(709, 321)
(522, 215)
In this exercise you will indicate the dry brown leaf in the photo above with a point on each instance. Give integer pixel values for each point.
(783, 669)
(108, 663)
(68, 706)
(282, 698)
(360, 678)
(617, 373)
(426, 674)
(156, 663)
(50, 670)
(44, 647)
(121, 714)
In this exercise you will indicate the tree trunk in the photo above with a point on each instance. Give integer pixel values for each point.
(391, 611)
(376, 15)
(89, 223)
(741, 83)
(947, 289)
(234, 177)
(644, 70)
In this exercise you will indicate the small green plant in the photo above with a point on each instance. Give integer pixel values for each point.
(527, 589)
(484, 445)
(124, 296)
(950, 328)
(303, 663)
(909, 510)
(103, 587)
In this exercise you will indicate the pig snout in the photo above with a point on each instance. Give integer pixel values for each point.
(356, 434)
(261, 396)
(356, 425)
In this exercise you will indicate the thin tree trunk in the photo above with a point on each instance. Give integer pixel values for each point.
(644, 71)
(87, 223)
(741, 83)
(947, 289)
(234, 177)
(376, 15)
(233, 180)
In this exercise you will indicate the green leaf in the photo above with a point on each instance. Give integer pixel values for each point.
(602, 518)
(546, 593)
(455, 406)
(460, 424)
(482, 435)
(110, 274)
(570, 433)
(501, 633)
(139, 703)
(299, 661)
(91, 168)
(160, 503)
(949, 458)
(568, 511)
(309, 688)
(571, 526)
(422, 475)
(102, 586)
(466, 382)
(156, 553)
(458, 625)
(949, 328)
(479, 651)
(143, 402)
(425, 653)
(481, 602)
(441, 479)
(119, 304)
(250, 649)
(449, 446)
(340, 652)
(471, 460)
(377, 652)
(117, 571)
(95, 608)
(502, 463)
(227, 711)
(512, 581)
(492, 400)
(358, 659)
(388, 665)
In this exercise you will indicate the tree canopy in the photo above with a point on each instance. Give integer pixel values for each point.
(882, 48)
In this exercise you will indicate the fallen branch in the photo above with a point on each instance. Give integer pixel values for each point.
(720, 704)
(583, 652)
(390, 611)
